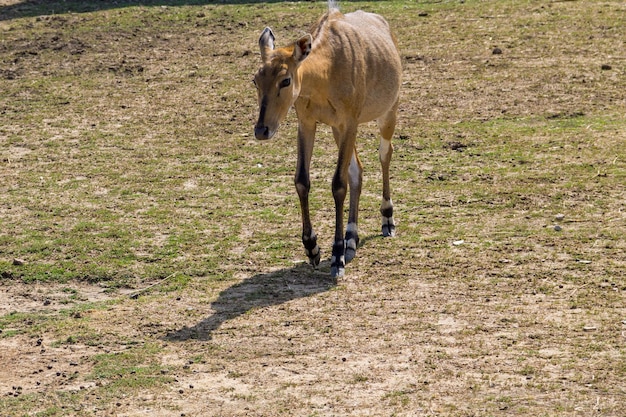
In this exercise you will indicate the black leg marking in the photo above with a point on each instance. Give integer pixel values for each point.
(389, 226)
(352, 243)
(338, 260)
(311, 249)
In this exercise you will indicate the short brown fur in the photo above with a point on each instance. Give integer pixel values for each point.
(347, 71)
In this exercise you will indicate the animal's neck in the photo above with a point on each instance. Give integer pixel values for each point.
(313, 75)
(313, 72)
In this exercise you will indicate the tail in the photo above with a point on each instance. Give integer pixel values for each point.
(332, 5)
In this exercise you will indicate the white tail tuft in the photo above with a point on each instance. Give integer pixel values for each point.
(332, 5)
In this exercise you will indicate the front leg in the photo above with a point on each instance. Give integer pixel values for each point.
(345, 142)
(306, 139)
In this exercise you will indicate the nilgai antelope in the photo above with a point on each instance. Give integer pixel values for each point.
(347, 71)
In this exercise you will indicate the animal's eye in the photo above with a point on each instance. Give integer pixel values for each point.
(285, 83)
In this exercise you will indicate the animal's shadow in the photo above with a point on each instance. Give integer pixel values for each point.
(261, 290)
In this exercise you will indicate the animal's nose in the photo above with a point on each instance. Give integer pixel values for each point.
(262, 132)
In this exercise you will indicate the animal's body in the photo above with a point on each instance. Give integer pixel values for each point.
(347, 71)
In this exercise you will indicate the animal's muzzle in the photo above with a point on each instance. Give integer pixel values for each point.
(262, 132)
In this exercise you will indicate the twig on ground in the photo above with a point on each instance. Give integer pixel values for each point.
(137, 293)
(578, 288)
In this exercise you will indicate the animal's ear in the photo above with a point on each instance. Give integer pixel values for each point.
(266, 42)
(302, 48)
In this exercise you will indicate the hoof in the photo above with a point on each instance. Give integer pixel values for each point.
(389, 227)
(311, 249)
(338, 260)
(350, 254)
(389, 231)
(351, 245)
(352, 242)
(337, 272)
(315, 259)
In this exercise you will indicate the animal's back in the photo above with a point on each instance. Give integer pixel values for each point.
(363, 50)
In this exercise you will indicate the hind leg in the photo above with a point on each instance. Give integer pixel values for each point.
(387, 125)
(355, 178)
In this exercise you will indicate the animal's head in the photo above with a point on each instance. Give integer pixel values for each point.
(277, 82)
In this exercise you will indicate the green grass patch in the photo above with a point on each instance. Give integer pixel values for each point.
(127, 159)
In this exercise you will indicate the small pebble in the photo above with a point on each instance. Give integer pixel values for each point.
(557, 228)
(497, 51)
(559, 217)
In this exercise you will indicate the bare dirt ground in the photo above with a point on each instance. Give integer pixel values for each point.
(292, 342)
(479, 307)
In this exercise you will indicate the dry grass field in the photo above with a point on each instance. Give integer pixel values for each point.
(150, 255)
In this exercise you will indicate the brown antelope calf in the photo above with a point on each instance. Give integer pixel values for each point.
(347, 71)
